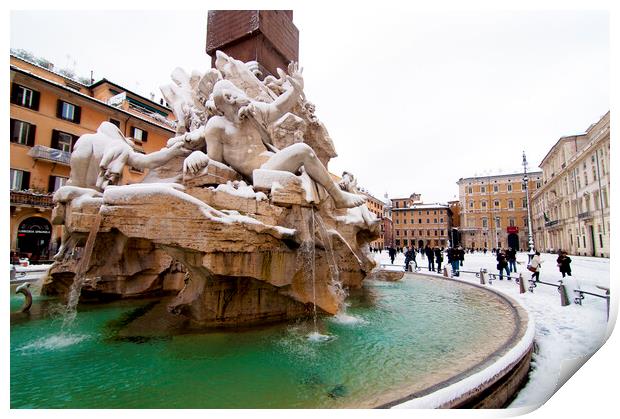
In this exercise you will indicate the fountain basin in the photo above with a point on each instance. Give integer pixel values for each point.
(398, 342)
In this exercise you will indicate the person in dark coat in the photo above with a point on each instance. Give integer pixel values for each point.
(454, 260)
(502, 264)
(430, 256)
(461, 255)
(410, 257)
(392, 253)
(438, 258)
(564, 264)
(511, 256)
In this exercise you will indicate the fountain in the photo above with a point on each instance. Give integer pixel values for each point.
(221, 217)
(238, 223)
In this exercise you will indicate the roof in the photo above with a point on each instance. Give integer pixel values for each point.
(89, 98)
(538, 172)
(104, 81)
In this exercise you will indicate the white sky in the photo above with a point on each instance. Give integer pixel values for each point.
(413, 99)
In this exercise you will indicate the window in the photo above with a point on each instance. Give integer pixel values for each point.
(511, 204)
(483, 189)
(20, 180)
(141, 135)
(496, 203)
(23, 96)
(484, 223)
(524, 203)
(428, 221)
(419, 220)
(470, 189)
(498, 223)
(484, 204)
(68, 111)
(511, 222)
(56, 182)
(471, 204)
(495, 188)
(22, 132)
(538, 185)
(435, 220)
(509, 187)
(63, 141)
(441, 220)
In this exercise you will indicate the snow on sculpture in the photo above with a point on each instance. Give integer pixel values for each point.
(226, 216)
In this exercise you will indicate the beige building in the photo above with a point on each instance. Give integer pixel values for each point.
(48, 113)
(419, 224)
(571, 209)
(494, 210)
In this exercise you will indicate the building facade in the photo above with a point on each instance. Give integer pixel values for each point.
(48, 113)
(571, 209)
(377, 207)
(418, 224)
(494, 210)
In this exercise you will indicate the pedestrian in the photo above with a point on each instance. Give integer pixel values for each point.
(430, 256)
(460, 255)
(453, 260)
(502, 264)
(392, 253)
(534, 266)
(564, 264)
(409, 257)
(438, 258)
(511, 256)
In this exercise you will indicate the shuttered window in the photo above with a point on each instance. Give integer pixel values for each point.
(25, 96)
(20, 180)
(22, 132)
(68, 111)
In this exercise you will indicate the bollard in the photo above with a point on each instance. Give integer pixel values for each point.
(563, 295)
(445, 272)
(521, 284)
(482, 282)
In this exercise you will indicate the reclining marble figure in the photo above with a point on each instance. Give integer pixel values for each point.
(239, 138)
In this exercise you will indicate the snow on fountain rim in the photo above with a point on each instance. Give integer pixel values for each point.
(461, 387)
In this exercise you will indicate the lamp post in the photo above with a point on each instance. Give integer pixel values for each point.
(530, 237)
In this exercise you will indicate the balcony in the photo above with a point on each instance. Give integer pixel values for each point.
(584, 215)
(32, 199)
(552, 223)
(40, 152)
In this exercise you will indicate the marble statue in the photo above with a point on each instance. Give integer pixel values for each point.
(98, 159)
(231, 216)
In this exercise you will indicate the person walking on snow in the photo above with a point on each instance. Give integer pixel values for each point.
(511, 256)
(438, 258)
(502, 264)
(431, 259)
(535, 265)
(564, 264)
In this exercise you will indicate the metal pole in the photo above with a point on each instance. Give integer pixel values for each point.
(530, 237)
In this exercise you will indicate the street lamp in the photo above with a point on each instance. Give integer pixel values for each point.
(530, 237)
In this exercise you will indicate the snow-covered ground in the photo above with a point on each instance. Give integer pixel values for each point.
(565, 336)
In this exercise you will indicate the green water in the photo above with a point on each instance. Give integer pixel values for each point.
(397, 333)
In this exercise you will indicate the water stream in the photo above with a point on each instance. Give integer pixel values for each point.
(76, 288)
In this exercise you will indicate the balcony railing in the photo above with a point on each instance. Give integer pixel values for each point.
(31, 199)
(584, 215)
(50, 154)
(551, 223)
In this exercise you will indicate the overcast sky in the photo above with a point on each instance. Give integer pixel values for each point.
(413, 99)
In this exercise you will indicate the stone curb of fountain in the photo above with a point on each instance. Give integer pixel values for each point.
(482, 388)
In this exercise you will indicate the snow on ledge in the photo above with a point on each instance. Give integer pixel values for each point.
(458, 389)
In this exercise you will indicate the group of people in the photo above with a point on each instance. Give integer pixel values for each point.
(506, 261)
(435, 257)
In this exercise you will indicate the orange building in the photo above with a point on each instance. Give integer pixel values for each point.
(48, 113)
(377, 207)
(494, 210)
(419, 224)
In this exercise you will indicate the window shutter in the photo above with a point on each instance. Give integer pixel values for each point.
(59, 109)
(14, 92)
(35, 100)
(132, 132)
(73, 141)
(54, 139)
(13, 131)
(31, 133)
(144, 136)
(51, 183)
(78, 114)
(25, 181)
